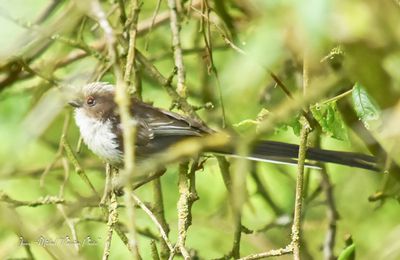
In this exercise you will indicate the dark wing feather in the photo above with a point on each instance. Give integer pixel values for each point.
(158, 129)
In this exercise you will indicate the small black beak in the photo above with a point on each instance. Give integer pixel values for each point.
(75, 103)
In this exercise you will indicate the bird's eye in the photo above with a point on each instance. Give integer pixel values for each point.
(90, 101)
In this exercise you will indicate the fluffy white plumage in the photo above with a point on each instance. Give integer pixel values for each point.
(98, 136)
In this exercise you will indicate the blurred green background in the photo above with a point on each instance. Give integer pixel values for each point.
(274, 35)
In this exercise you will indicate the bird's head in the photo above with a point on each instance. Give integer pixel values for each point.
(95, 99)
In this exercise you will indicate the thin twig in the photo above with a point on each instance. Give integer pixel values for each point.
(176, 46)
(154, 250)
(331, 212)
(264, 193)
(130, 60)
(78, 169)
(211, 66)
(155, 221)
(48, 200)
(224, 169)
(337, 97)
(81, 45)
(107, 186)
(60, 207)
(332, 215)
(275, 252)
(58, 153)
(287, 92)
(296, 227)
(184, 208)
(153, 20)
(224, 36)
(148, 179)
(152, 72)
(29, 252)
(39, 74)
(142, 231)
(48, 11)
(237, 235)
(122, 15)
(112, 219)
(158, 208)
(71, 226)
(282, 221)
(186, 51)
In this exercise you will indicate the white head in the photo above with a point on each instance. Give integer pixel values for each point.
(95, 115)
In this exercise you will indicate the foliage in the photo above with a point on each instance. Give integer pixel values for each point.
(329, 119)
(365, 107)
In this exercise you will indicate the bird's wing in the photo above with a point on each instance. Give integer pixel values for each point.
(144, 133)
(166, 123)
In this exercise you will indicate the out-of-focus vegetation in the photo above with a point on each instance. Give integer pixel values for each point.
(230, 49)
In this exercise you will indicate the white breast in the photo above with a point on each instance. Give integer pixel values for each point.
(99, 137)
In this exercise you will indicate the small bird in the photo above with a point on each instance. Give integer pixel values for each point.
(96, 115)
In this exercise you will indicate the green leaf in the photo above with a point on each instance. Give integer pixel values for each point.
(349, 253)
(294, 124)
(365, 107)
(330, 120)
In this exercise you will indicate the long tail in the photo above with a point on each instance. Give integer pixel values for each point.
(278, 152)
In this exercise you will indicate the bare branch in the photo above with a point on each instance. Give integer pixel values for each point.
(158, 208)
(296, 228)
(275, 252)
(48, 200)
(155, 221)
(176, 46)
(184, 209)
(112, 220)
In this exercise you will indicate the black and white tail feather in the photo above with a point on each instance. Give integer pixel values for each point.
(285, 153)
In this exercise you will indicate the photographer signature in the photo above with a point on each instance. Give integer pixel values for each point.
(61, 241)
